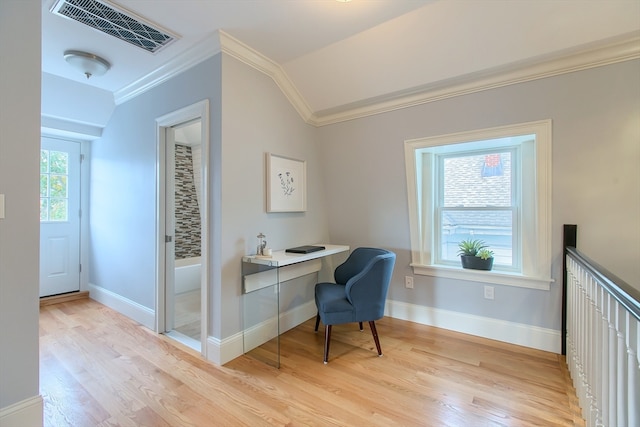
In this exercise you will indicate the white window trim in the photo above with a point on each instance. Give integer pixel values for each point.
(537, 269)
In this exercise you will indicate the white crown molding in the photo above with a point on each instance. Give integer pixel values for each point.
(255, 59)
(203, 50)
(611, 51)
(595, 55)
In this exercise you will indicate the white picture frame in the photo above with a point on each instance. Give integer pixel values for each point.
(286, 184)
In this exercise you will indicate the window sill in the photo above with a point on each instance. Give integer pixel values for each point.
(491, 277)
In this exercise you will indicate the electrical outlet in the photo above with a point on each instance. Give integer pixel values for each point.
(488, 292)
(408, 282)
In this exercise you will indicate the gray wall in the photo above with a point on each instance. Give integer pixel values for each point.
(20, 230)
(249, 117)
(123, 182)
(596, 176)
(360, 163)
(258, 119)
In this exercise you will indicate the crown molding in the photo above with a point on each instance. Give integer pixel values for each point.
(255, 59)
(203, 50)
(619, 49)
(612, 51)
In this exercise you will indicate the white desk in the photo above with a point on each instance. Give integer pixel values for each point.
(261, 286)
(297, 265)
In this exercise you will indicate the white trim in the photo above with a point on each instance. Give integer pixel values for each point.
(492, 277)
(501, 330)
(28, 412)
(58, 127)
(203, 50)
(266, 330)
(85, 174)
(138, 312)
(621, 49)
(258, 61)
(536, 208)
(611, 51)
(199, 110)
(225, 350)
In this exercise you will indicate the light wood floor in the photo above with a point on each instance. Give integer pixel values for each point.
(99, 368)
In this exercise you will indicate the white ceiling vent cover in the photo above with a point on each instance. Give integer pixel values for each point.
(116, 22)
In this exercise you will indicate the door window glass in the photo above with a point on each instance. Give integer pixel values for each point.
(54, 187)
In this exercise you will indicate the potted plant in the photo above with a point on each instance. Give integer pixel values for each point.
(474, 254)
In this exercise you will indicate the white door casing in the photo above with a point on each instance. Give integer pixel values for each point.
(164, 124)
(60, 217)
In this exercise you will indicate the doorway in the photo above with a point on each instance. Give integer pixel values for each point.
(59, 216)
(182, 309)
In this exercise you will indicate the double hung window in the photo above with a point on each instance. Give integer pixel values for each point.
(492, 185)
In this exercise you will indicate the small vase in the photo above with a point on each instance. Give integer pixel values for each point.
(476, 263)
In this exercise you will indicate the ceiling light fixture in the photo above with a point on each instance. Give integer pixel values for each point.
(88, 63)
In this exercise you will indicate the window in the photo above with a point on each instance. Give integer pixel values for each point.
(491, 184)
(54, 178)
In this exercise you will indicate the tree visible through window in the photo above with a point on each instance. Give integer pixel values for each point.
(54, 188)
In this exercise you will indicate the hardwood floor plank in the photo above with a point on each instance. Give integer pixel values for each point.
(99, 368)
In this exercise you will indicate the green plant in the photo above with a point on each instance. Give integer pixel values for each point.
(471, 247)
(485, 254)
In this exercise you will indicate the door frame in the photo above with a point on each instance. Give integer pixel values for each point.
(199, 110)
(85, 153)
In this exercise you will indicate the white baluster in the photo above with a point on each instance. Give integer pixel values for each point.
(621, 393)
(613, 378)
(633, 396)
(604, 359)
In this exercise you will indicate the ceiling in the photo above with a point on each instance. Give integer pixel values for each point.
(339, 56)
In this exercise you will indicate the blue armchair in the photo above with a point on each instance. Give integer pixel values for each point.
(358, 294)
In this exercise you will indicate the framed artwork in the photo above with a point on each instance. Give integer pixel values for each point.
(286, 184)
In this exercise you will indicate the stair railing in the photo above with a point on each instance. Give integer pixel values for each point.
(601, 317)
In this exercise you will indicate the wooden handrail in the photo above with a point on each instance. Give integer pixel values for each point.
(624, 293)
(600, 325)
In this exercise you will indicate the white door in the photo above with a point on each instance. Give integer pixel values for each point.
(59, 217)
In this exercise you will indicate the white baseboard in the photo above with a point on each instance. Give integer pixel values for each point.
(223, 351)
(500, 330)
(131, 309)
(25, 413)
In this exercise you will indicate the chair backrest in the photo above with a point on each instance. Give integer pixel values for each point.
(367, 290)
(355, 263)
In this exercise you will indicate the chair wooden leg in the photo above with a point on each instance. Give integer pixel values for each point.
(374, 332)
(327, 340)
(361, 328)
(317, 321)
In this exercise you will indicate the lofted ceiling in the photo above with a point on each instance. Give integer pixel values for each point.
(340, 57)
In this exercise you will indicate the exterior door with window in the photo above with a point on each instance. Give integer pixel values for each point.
(59, 217)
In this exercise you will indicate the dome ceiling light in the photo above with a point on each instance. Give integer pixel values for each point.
(88, 63)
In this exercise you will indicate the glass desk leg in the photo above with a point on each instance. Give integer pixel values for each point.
(261, 308)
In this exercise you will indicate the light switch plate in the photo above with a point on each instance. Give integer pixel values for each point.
(1, 206)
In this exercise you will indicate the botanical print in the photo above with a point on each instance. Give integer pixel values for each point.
(286, 183)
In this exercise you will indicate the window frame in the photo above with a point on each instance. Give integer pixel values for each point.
(439, 207)
(535, 215)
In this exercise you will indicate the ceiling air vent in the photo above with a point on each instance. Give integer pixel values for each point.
(116, 22)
